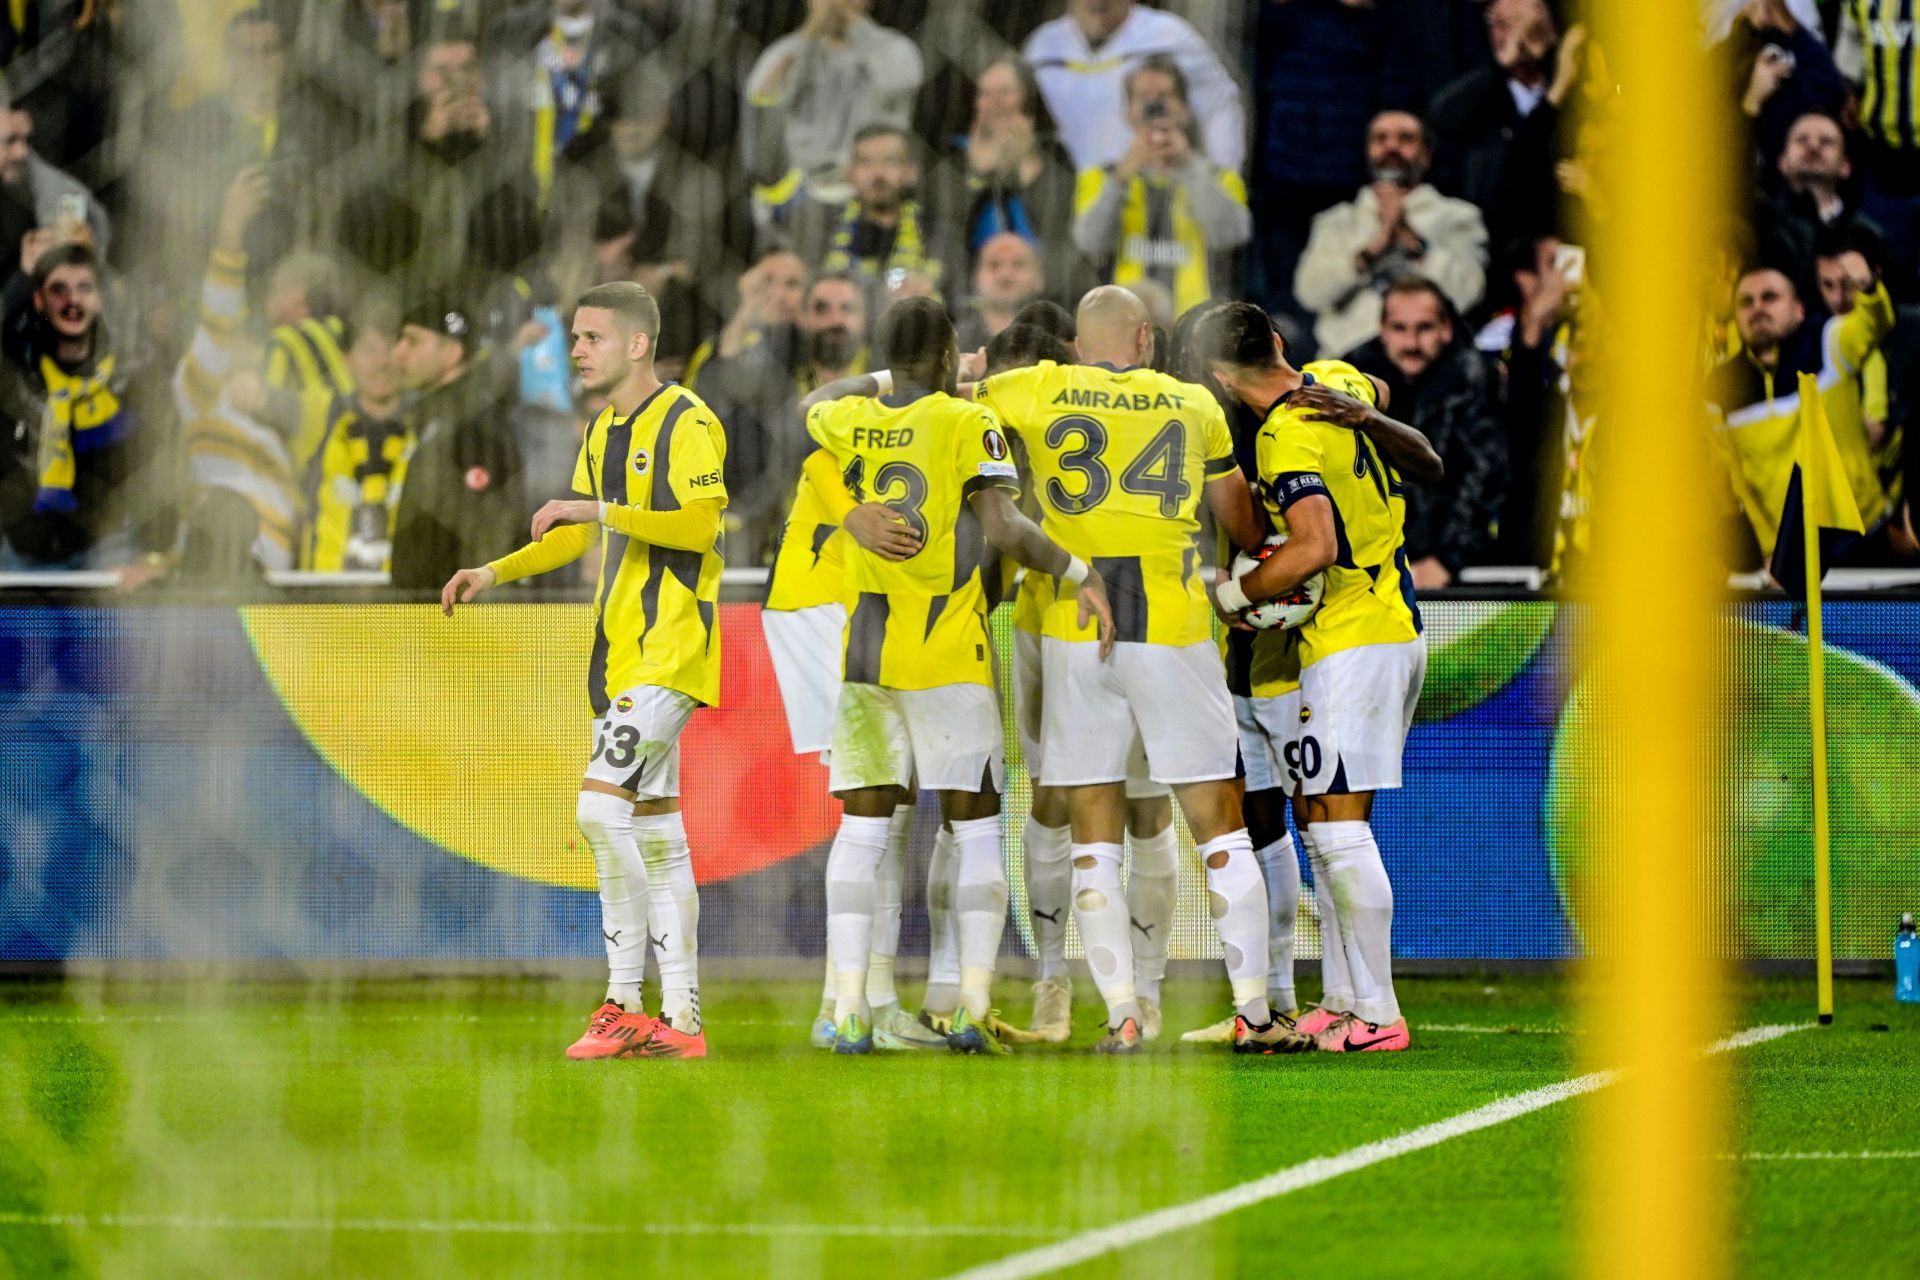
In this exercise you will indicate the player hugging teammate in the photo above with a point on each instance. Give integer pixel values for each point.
(1121, 688)
(1121, 459)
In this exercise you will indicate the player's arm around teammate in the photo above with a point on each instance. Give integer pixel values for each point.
(1405, 446)
(917, 699)
(1362, 654)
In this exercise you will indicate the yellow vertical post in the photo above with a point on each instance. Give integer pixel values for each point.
(1812, 462)
(1653, 1201)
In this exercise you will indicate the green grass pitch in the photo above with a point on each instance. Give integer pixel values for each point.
(432, 1129)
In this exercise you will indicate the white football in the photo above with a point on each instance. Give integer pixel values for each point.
(1282, 613)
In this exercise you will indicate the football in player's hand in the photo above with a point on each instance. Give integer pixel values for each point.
(1284, 612)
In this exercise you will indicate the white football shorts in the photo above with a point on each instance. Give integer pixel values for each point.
(1356, 707)
(1028, 709)
(1172, 699)
(636, 745)
(1269, 740)
(805, 647)
(948, 736)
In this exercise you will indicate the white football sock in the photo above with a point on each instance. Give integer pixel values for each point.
(607, 824)
(943, 943)
(886, 912)
(1049, 886)
(979, 908)
(1282, 871)
(1237, 899)
(826, 989)
(1100, 908)
(1365, 896)
(1152, 888)
(1336, 982)
(673, 914)
(851, 868)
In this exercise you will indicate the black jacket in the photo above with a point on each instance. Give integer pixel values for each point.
(1454, 405)
(1486, 152)
(461, 505)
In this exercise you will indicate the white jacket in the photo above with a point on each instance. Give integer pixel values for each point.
(1331, 283)
(1086, 91)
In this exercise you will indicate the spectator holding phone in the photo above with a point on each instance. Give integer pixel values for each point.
(1163, 211)
(35, 196)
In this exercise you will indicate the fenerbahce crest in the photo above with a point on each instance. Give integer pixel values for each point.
(641, 461)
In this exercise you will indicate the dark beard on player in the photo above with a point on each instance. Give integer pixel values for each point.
(832, 348)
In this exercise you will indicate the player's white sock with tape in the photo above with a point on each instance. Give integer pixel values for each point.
(1049, 887)
(673, 916)
(979, 908)
(1152, 887)
(1237, 899)
(1336, 983)
(943, 945)
(1282, 871)
(1100, 907)
(851, 867)
(607, 824)
(886, 912)
(1365, 896)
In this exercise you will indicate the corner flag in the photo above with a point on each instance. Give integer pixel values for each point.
(1817, 497)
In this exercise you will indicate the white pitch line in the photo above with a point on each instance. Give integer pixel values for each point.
(469, 1226)
(1822, 1155)
(1310, 1173)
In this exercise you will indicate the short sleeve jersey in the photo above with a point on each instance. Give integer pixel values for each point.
(918, 623)
(1120, 458)
(658, 616)
(1369, 592)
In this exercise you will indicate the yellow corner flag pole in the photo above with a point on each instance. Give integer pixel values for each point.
(1813, 475)
(1654, 1207)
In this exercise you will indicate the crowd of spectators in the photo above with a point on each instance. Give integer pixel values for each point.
(291, 279)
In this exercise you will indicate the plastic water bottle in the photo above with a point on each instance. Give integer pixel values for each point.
(1906, 962)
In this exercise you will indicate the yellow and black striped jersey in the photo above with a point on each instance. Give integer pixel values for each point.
(658, 617)
(353, 466)
(922, 622)
(1120, 459)
(809, 569)
(1889, 49)
(307, 356)
(1369, 592)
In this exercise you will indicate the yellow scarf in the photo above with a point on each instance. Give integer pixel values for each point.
(83, 414)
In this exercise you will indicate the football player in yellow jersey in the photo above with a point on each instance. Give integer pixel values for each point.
(1264, 673)
(917, 697)
(1362, 655)
(650, 480)
(1122, 458)
(1153, 864)
(804, 615)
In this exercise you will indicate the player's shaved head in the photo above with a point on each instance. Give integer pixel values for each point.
(1114, 327)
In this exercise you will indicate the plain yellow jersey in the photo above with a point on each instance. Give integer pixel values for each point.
(922, 622)
(809, 569)
(1120, 459)
(658, 618)
(1369, 592)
